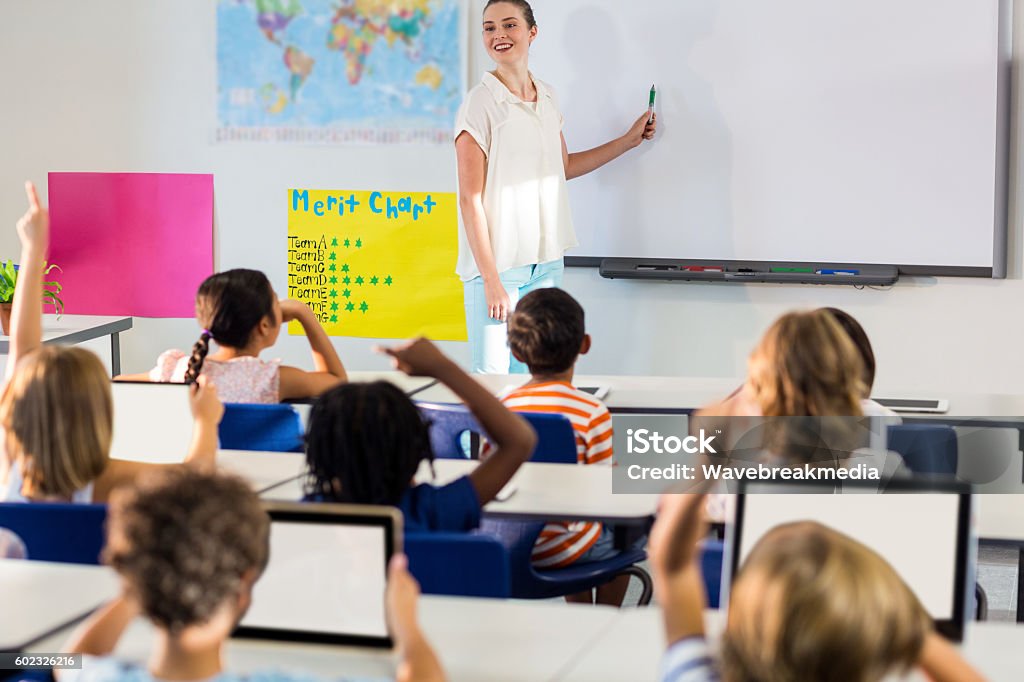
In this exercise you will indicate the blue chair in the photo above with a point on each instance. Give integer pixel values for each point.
(711, 553)
(925, 448)
(458, 564)
(556, 440)
(53, 531)
(261, 427)
(529, 583)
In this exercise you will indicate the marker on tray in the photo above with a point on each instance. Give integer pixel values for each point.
(838, 271)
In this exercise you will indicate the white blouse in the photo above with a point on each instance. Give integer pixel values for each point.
(525, 196)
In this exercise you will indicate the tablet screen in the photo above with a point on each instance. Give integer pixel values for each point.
(152, 422)
(916, 534)
(325, 580)
(922, 536)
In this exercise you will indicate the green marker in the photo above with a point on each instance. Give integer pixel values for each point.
(650, 107)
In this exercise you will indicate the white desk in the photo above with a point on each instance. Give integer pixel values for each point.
(540, 492)
(631, 649)
(71, 329)
(476, 639)
(39, 598)
(263, 470)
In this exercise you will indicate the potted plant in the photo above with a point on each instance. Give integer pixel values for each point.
(9, 280)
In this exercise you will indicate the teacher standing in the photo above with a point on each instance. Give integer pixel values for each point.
(513, 165)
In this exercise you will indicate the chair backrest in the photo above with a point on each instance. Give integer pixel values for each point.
(261, 427)
(459, 564)
(989, 457)
(711, 553)
(925, 448)
(447, 425)
(556, 440)
(52, 531)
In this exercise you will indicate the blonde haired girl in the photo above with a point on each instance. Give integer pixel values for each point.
(56, 409)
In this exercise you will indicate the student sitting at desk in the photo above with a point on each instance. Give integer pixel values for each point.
(547, 333)
(365, 443)
(808, 604)
(189, 548)
(56, 409)
(240, 312)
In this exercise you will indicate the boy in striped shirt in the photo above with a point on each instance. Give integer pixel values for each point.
(546, 333)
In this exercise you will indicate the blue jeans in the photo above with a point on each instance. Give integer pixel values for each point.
(488, 338)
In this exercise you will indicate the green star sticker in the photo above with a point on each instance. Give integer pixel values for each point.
(347, 243)
(334, 267)
(363, 307)
(344, 268)
(359, 243)
(374, 280)
(350, 306)
(334, 307)
(359, 280)
(333, 256)
(346, 279)
(388, 280)
(334, 318)
(334, 293)
(334, 242)
(347, 293)
(334, 279)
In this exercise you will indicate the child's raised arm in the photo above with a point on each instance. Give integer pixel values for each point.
(513, 438)
(27, 311)
(207, 411)
(419, 663)
(941, 662)
(675, 561)
(329, 372)
(99, 634)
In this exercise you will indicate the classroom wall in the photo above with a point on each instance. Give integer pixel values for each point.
(115, 85)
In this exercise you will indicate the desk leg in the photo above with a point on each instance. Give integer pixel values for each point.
(115, 354)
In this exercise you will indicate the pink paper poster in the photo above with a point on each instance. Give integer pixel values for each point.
(131, 243)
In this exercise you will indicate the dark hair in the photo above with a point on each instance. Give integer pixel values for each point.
(860, 340)
(183, 540)
(229, 306)
(522, 5)
(364, 444)
(546, 331)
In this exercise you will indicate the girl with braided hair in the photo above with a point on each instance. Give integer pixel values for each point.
(240, 312)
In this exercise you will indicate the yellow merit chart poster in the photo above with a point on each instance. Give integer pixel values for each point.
(376, 264)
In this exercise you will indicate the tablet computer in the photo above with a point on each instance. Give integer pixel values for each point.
(925, 405)
(152, 422)
(325, 580)
(925, 537)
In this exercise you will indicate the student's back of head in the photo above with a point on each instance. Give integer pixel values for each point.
(188, 544)
(57, 412)
(806, 365)
(860, 340)
(547, 331)
(812, 604)
(230, 306)
(364, 444)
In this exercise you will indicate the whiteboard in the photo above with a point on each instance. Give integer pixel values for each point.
(790, 130)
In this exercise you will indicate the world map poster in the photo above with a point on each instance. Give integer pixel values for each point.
(339, 71)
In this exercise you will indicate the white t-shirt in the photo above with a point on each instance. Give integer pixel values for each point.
(525, 195)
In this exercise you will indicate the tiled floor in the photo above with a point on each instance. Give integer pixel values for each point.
(997, 574)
